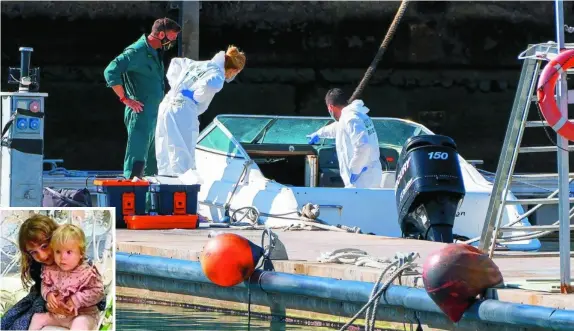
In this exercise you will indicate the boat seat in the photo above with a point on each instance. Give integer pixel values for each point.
(389, 179)
(329, 167)
(329, 177)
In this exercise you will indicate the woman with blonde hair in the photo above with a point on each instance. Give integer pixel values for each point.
(193, 86)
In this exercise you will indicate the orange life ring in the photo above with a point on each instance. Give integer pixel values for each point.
(545, 94)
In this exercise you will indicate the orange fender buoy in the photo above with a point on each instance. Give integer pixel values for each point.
(228, 259)
(545, 94)
(455, 274)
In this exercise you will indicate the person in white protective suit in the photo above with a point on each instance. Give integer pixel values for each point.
(193, 85)
(356, 141)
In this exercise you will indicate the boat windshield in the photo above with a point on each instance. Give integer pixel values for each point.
(392, 132)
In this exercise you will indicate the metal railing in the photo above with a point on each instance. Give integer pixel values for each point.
(533, 57)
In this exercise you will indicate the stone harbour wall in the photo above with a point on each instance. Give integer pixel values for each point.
(452, 65)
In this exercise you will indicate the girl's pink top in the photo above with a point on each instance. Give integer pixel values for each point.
(83, 285)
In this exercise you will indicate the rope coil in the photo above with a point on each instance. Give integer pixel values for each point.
(307, 220)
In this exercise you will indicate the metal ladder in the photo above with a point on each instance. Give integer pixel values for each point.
(525, 97)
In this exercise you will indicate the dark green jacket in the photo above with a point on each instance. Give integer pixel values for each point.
(140, 71)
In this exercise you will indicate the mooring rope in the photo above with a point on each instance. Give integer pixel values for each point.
(264, 262)
(401, 263)
(388, 37)
(307, 219)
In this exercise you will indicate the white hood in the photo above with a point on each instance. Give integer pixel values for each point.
(357, 106)
(219, 59)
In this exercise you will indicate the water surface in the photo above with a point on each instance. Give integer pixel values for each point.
(142, 317)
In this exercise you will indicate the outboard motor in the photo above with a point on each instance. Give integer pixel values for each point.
(429, 188)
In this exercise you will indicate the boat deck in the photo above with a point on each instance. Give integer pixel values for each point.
(523, 185)
(538, 270)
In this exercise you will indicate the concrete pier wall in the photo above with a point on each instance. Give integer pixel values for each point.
(452, 65)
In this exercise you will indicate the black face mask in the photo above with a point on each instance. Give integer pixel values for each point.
(165, 42)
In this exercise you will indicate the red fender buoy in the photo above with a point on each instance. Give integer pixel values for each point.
(455, 274)
(228, 259)
(545, 94)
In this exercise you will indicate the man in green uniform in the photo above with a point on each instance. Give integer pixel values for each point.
(137, 78)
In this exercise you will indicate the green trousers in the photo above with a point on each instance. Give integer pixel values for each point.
(140, 157)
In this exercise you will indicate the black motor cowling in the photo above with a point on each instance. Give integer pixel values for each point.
(429, 188)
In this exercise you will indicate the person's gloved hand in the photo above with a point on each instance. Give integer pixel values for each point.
(355, 177)
(313, 138)
(188, 94)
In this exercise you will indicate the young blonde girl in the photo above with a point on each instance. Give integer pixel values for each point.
(71, 280)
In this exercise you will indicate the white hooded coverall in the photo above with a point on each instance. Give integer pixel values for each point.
(177, 122)
(357, 146)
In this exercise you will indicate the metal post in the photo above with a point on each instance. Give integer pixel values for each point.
(563, 164)
(179, 5)
(190, 29)
(311, 171)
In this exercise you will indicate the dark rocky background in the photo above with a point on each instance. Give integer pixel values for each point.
(452, 65)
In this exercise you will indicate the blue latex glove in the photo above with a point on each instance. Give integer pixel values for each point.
(313, 138)
(188, 94)
(355, 177)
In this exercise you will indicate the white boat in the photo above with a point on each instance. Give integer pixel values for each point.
(265, 162)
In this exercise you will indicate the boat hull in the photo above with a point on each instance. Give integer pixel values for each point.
(372, 210)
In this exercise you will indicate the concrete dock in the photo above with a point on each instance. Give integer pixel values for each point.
(539, 272)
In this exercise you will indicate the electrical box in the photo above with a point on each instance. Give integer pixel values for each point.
(22, 149)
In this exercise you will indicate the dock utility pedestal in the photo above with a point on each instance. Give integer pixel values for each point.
(22, 137)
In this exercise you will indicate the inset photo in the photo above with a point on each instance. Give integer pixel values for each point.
(58, 268)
